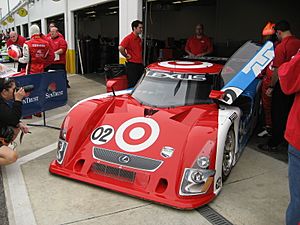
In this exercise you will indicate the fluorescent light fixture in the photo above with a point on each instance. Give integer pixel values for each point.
(151, 0)
(114, 7)
(189, 1)
(184, 1)
(111, 13)
(90, 12)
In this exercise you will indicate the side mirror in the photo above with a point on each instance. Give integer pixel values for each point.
(117, 83)
(214, 94)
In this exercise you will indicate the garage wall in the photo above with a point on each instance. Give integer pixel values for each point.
(79, 4)
(181, 23)
(45, 8)
(4, 6)
(243, 20)
(104, 26)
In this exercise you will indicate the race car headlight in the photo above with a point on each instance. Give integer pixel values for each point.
(196, 181)
(203, 162)
(197, 176)
(61, 151)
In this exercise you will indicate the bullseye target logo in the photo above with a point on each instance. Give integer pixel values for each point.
(137, 134)
(134, 135)
(185, 64)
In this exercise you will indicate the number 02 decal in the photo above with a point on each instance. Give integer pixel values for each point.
(102, 134)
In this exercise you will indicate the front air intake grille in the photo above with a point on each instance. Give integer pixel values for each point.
(125, 159)
(113, 172)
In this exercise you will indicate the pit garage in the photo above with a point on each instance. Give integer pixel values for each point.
(168, 24)
(229, 24)
(96, 37)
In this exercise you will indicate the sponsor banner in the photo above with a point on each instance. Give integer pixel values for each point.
(50, 91)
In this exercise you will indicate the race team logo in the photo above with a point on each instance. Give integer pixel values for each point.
(51, 87)
(51, 91)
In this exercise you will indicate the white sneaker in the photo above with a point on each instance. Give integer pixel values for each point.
(264, 133)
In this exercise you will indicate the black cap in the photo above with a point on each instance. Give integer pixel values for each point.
(282, 25)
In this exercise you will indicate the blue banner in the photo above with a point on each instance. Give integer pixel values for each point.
(50, 91)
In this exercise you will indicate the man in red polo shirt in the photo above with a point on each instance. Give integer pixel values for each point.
(281, 103)
(131, 48)
(16, 39)
(199, 44)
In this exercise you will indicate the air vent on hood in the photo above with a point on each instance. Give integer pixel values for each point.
(150, 112)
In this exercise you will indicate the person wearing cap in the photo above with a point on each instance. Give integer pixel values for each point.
(19, 40)
(199, 44)
(289, 78)
(10, 116)
(268, 34)
(35, 52)
(281, 103)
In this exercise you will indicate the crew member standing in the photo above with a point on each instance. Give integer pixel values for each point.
(35, 52)
(199, 44)
(131, 48)
(281, 103)
(59, 46)
(16, 39)
(289, 77)
(268, 34)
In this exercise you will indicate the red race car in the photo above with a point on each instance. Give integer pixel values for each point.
(166, 140)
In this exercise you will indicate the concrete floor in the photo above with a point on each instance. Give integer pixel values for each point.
(256, 192)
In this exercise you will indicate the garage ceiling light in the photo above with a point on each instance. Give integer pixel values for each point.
(114, 7)
(90, 12)
(184, 1)
(189, 1)
(111, 13)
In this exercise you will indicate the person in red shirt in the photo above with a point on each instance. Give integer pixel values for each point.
(281, 103)
(35, 52)
(50, 57)
(59, 46)
(16, 39)
(268, 34)
(289, 78)
(199, 44)
(131, 48)
(52, 24)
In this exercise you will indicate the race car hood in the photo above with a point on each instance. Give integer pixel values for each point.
(123, 125)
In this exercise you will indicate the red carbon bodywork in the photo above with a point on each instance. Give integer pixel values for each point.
(186, 129)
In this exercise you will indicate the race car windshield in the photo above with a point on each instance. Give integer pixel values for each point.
(163, 89)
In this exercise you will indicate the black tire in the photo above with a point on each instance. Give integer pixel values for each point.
(228, 154)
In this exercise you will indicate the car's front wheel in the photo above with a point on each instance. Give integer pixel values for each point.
(229, 153)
